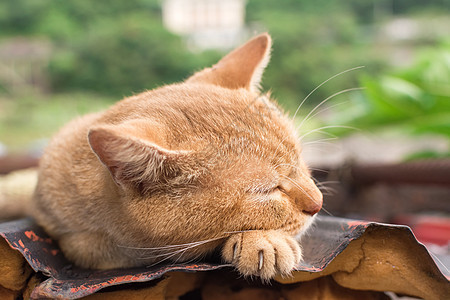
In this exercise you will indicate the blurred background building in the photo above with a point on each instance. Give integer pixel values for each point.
(206, 23)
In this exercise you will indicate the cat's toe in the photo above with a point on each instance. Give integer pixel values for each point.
(262, 253)
(296, 250)
(287, 251)
(257, 257)
(232, 248)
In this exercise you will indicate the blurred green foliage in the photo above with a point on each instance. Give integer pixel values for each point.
(416, 98)
(413, 100)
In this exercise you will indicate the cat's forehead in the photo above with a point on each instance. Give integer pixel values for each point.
(234, 122)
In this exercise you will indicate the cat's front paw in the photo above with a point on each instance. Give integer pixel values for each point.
(263, 253)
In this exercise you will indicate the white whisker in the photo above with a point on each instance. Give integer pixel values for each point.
(183, 250)
(320, 112)
(330, 191)
(327, 127)
(320, 140)
(172, 254)
(326, 193)
(172, 246)
(239, 231)
(324, 101)
(324, 145)
(318, 169)
(330, 181)
(321, 186)
(334, 76)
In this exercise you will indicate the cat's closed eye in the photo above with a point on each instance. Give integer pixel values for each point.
(270, 190)
(281, 189)
(263, 189)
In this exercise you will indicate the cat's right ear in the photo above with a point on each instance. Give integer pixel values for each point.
(241, 68)
(133, 162)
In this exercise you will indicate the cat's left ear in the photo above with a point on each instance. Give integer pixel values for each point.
(135, 162)
(241, 68)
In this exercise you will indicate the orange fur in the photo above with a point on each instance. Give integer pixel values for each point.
(201, 160)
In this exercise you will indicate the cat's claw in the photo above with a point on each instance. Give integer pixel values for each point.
(261, 260)
(235, 252)
(263, 253)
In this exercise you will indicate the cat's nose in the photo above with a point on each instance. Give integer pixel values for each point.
(313, 207)
(308, 197)
(305, 194)
(314, 200)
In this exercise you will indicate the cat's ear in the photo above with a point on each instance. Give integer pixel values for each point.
(241, 68)
(135, 162)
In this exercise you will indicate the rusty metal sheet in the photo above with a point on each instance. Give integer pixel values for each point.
(327, 239)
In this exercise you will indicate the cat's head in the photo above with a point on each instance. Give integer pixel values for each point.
(213, 155)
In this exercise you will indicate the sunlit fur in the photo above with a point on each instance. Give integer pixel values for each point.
(174, 173)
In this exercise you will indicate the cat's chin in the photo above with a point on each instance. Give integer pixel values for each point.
(307, 225)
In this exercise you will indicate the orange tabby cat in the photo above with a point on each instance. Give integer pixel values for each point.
(174, 173)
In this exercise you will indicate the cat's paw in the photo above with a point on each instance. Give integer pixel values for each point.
(263, 253)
